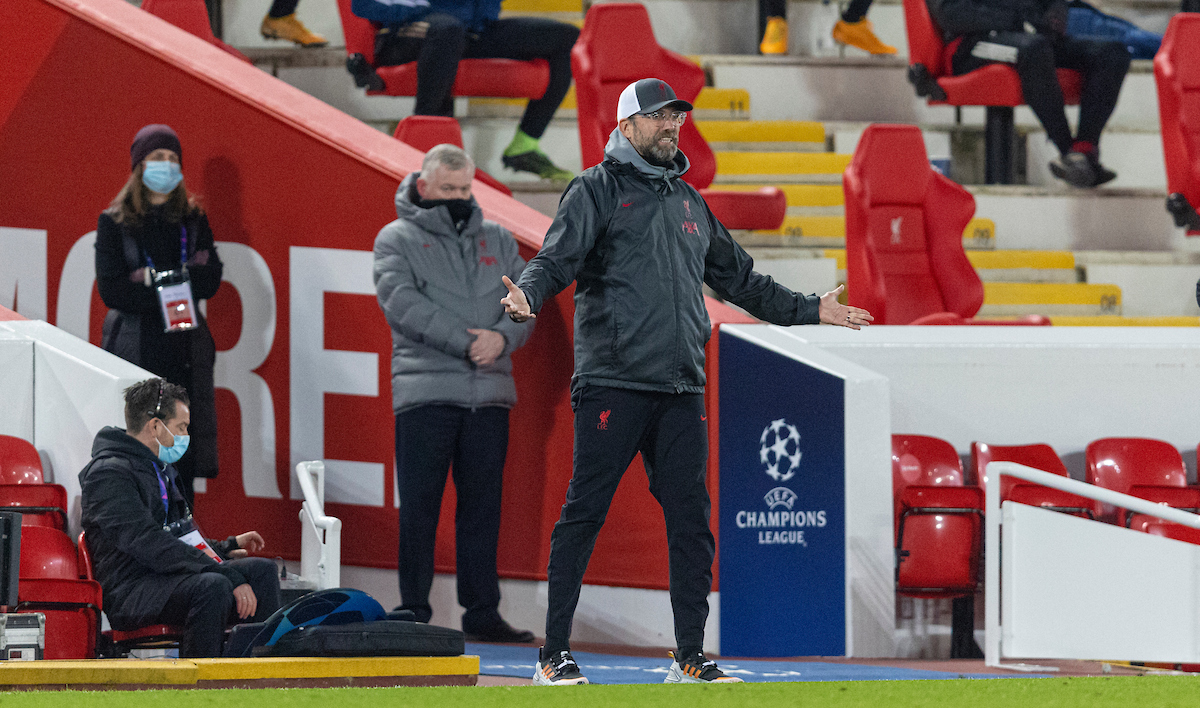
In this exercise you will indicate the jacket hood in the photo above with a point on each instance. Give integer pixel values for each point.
(436, 220)
(116, 441)
(621, 150)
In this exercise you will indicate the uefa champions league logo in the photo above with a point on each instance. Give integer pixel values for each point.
(779, 444)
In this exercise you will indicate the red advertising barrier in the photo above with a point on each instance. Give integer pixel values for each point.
(295, 191)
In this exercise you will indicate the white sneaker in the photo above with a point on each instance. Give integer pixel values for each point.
(697, 669)
(558, 670)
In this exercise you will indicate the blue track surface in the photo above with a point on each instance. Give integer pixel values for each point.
(503, 660)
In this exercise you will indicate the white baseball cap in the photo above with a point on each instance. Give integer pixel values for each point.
(647, 96)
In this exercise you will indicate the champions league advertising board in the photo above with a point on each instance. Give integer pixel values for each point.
(782, 505)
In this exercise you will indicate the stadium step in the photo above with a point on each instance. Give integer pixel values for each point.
(763, 136)
(1016, 299)
(1002, 266)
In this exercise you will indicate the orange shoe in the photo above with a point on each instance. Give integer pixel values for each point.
(775, 37)
(291, 29)
(862, 35)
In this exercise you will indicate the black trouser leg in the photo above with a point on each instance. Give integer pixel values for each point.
(437, 57)
(856, 10)
(532, 38)
(1104, 64)
(609, 424)
(676, 454)
(283, 8)
(425, 443)
(478, 480)
(263, 578)
(201, 603)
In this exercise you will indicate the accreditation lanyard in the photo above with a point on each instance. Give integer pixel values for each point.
(183, 251)
(175, 291)
(162, 487)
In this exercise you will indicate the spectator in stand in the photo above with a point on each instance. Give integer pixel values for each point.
(438, 33)
(281, 23)
(1030, 35)
(155, 234)
(853, 28)
(136, 524)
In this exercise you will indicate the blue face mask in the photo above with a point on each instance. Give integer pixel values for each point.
(172, 454)
(161, 176)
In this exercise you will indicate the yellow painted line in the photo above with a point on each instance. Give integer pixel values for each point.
(800, 195)
(980, 228)
(99, 671)
(1118, 321)
(812, 226)
(567, 104)
(837, 254)
(761, 131)
(1051, 294)
(309, 667)
(542, 5)
(781, 163)
(1039, 260)
(722, 99)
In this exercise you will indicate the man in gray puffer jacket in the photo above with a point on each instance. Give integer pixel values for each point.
(437, 276)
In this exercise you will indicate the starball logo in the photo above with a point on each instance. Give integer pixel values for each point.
(781, 523)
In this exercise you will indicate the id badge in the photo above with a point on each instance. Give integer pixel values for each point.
(187, 531)
(178, 307)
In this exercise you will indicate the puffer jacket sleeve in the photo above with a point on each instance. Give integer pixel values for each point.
(729, 270)
(515, 333)
(408, 310)
(390, 13)
(112, 272)
(576, 227)
(957, 18)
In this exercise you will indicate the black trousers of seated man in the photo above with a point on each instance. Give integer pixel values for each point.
(447, 40)
(612, 425)
(204, 605)
(1103, 64)
(430, 441)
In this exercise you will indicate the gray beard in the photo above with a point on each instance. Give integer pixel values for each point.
(658, 155)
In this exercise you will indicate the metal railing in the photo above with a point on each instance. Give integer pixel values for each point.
(320, 535)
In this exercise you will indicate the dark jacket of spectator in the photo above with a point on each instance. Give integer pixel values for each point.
(137, 562)
(958, 18)
(475, 15)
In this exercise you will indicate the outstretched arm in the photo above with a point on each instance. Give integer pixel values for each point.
(835, 313)
(515, 303)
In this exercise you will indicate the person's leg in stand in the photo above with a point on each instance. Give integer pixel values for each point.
(436, 43)
(202, 603)
(1103, 64)
(856, 30)
(772, 26)
(263, 576)
(281, 23)
(532, 38)
(425, 440)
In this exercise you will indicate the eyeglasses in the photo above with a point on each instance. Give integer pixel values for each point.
(677, 118)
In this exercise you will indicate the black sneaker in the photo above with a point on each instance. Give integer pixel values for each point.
(363, 73)
(1075, 169)
(502, 633)
(535, 161)
(697, 669)
(558, 670)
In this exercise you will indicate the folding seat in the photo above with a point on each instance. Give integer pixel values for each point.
(503, 78)
(38, 504)
(938, 519)
(50, 584)
(995, 86)
(1140, 467)
(191, 16)
(617, 47)
(19, 461)
(1039, 456)
(1177, 73)
(423, 132)
(155, 635)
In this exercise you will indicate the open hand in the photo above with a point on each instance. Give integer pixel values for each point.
(835, 313)
(515, 303)
(487, 347)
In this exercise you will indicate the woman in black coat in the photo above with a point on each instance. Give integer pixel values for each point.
(152, 226)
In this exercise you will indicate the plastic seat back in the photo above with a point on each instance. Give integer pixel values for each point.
(925, 44)
(1177, 74)
(358, 33)
(904, 224)
(19, 461)
(1038, 456)
(1135, 466)
(38, 504)
(47, 553)
(424, 132)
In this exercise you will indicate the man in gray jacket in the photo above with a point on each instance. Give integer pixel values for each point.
(437, 276)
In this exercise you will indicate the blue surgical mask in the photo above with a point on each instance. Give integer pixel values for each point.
(161, 176)
(172, 454)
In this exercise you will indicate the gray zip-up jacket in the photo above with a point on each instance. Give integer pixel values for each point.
(434, 284)
(639, 242)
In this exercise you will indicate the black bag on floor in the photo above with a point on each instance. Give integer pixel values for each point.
(379, 638)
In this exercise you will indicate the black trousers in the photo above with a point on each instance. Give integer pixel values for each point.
(430, 440)
(283, 8)
(855, 11)
(204, 605)
(1103, 64)
(447, 40)
(611, 426)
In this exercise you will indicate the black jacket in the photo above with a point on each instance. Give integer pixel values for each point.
(136, 561)
(639, 242)
(959, 18)
(133, 329)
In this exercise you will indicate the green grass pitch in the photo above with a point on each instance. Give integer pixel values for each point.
(1119, 692)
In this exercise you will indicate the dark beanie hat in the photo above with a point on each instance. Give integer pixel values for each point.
(151, 138)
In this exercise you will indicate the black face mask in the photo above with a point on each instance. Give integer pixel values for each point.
(460, 210)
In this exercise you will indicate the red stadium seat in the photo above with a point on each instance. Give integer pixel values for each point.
(617, 47)
(995, 86)
(423, 132)
(1141, 467)
(504, 78)
(155, 635)
(938, 520)
(1177, 73)
(1037, 456)
(50, 583)
(38, 504)
(191, 16)
(19, 461)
